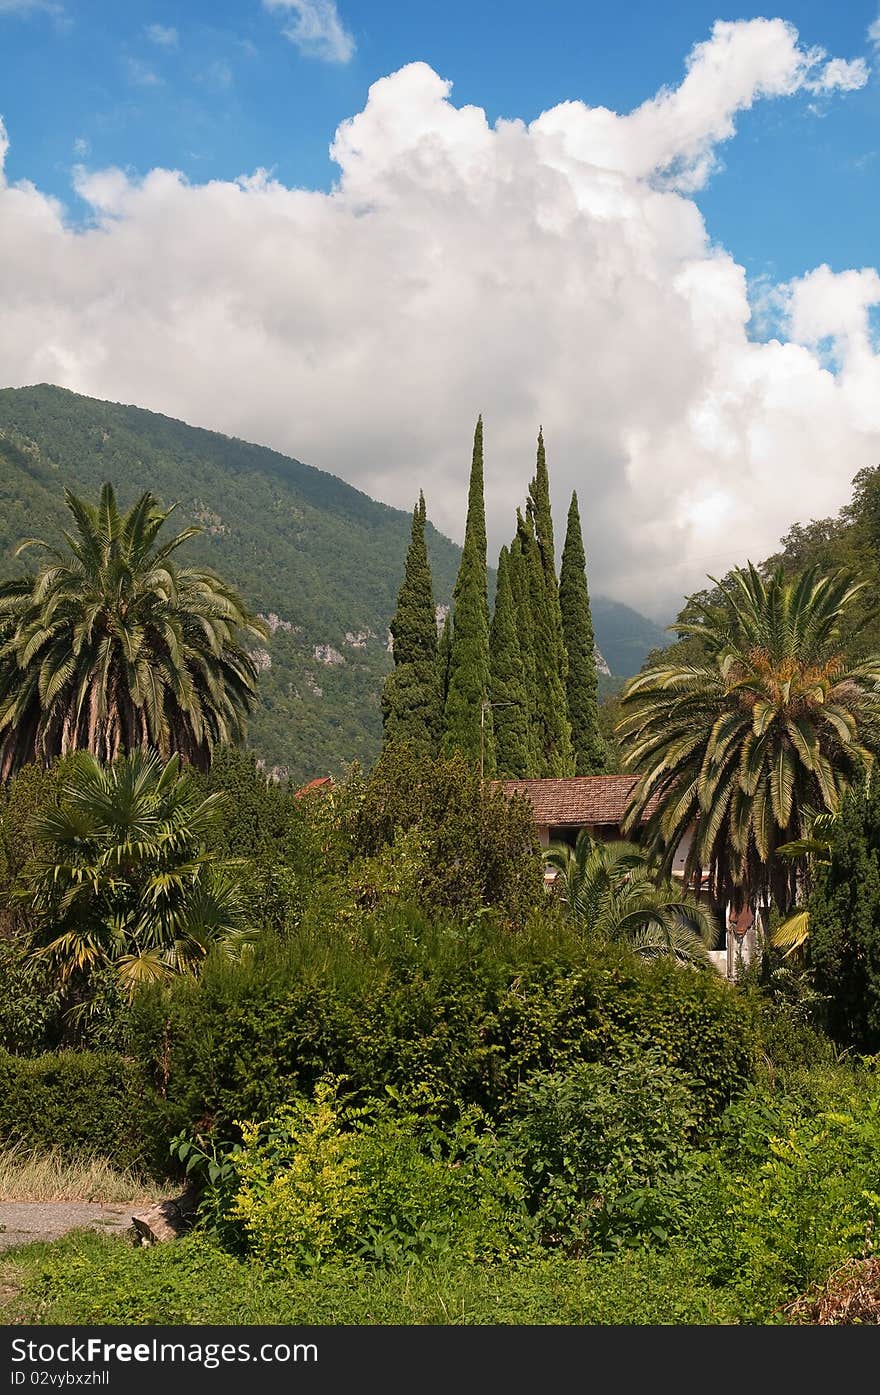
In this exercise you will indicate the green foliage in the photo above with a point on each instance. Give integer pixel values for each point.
(125, 875)
(581, 684)
(80, 1102)
(276, 528)
(31, 1002)
(507, 687)
(478, 848)
(613, 892)
(466, 727)
(454, 1015)
(113, 645)
(552, 754)
(553, 735)
(410, 699)
(606, 1150)
(796, 1194)
(89, 1279)
(745, 745)
(844, 910)
(320, 1179)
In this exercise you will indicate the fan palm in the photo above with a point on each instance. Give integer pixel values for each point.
(739, 749)
(113, 645)
(612, 890)
(125, 875)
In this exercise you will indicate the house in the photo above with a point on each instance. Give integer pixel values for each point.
(562, 807)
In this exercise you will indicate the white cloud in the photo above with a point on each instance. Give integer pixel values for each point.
(26, 7)
(165, 36)
(874, 33)
(317, 30)
(142, 75)
(81, 147)
(840, 75)
(557, 272)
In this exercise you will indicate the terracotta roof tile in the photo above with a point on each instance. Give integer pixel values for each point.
(583, 799)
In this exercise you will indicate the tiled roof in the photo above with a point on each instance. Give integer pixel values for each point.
(583, 799)
(323, 782)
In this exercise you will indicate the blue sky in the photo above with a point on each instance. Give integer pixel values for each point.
(226, 93)
(659, 242)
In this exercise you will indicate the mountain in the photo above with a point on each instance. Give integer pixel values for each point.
(318, 558)
(624, 636)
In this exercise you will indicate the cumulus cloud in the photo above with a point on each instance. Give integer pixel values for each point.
(874, 33)
(558, 272)
(317, 29)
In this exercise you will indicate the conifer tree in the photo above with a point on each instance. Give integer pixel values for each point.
(582, 685)
(539, 510)
(518, 572)
(507, 688)
(410, 698)
(444, 649)
(467, 725)
(554, 755)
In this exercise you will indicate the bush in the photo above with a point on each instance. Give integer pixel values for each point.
(319, 1180)
(607, 1151)
(792, 1192)
(477, 847)
(462, 1015)
(844, 942)
(80, 1102)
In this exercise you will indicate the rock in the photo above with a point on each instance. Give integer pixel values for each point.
(166, 1220)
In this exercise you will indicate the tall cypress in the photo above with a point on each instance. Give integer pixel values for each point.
(467, 724)
(542, 518)
(507, 688)
(554, 755)
(444, 648)
(518, 572)
(410, 698)
(582, 684)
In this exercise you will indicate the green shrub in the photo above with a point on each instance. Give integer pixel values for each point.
(80, 1102)
(793, 1190)
(463, 1013)
(844, 941)
(607, 1151)
(320, 1180)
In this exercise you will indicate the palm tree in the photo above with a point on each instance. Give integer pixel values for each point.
(126, 876)
(612, 890)
(739, 748)
(112, 645)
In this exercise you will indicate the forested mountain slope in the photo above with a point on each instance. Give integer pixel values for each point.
(321, 560)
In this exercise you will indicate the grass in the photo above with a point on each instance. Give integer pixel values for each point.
(87, 1278)
(29, 1175)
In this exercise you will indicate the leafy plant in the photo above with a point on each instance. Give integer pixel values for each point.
(114, 646)
(607, 1151)
(615, 891)
(125, 875)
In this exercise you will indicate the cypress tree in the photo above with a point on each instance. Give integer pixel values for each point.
(582, 684)
(444, 647)
(554, 755)
(518, 572)
(542, 518)
(410, 699)
(469, 651)
(507, 688)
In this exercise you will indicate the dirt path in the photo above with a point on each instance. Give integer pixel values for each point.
(23, 1221)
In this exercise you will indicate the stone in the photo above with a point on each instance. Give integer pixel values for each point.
(165, 1220)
